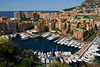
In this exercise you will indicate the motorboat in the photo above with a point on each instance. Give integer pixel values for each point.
(66, 60)
(25, 37)
(72, 45)
(72, 58)
(76, 46)
(51, 60)
(61, 59)
(96, 54)
(46, 35)
(57, 40)
(47, 61)
(80, 47)
(69, 60)
(42, 60)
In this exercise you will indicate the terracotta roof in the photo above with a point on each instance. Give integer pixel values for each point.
(65, 17)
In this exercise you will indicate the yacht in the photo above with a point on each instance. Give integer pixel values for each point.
(61, 59)
(48, 54)
(76, 46)
(25, 37)
(43, 60)
(63, 42)
(54, 38)
(47, 61)
(60, 41)
(51, 60)
(79, 60)
(96, 54)
(72, 58)
(69, 60)
(66, 60)
(46, 35)
(79, 47)
(69, 45)
(57, 40)
(72, 45)
(66, 43)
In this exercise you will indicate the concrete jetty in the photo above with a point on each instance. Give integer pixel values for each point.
(84, 49)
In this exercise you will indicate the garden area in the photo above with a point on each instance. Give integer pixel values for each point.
(91, 35)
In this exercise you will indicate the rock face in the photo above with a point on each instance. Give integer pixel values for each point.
(91, 3)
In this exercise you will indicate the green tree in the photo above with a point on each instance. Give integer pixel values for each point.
(8, 50)
(35, 19)
(2, 41)
(26, 62)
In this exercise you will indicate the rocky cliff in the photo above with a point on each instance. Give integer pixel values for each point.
(91, 3)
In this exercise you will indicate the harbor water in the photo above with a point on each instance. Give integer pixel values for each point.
(43, 44)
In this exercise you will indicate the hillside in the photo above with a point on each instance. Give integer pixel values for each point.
(86, 4)
(91, 3)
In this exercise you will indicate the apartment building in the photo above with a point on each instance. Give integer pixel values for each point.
(27, 14)
(8, 27)
(17, 15)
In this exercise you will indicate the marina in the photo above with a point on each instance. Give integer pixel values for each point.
(62, 55)
(53, 48)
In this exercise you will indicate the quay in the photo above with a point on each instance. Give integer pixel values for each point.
(84, 49)
(33, 36)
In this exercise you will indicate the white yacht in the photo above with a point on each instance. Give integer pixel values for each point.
(79, 47)
(25, 37)
(66, 43)
(43, 60)
(46, 35)
(72, 45)
(60, 41)
(72, 58)
(76, 46)
(54, 38)
(61, 60)
(57, 40)
(47, 61)
(96, 54)
(63, 42)
(66, 60)
(69, 60)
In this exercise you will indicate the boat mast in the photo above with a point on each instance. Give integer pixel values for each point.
(52, 51)
(56, 48)
(42, 47)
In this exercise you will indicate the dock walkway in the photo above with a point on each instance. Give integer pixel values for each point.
(84, 49)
